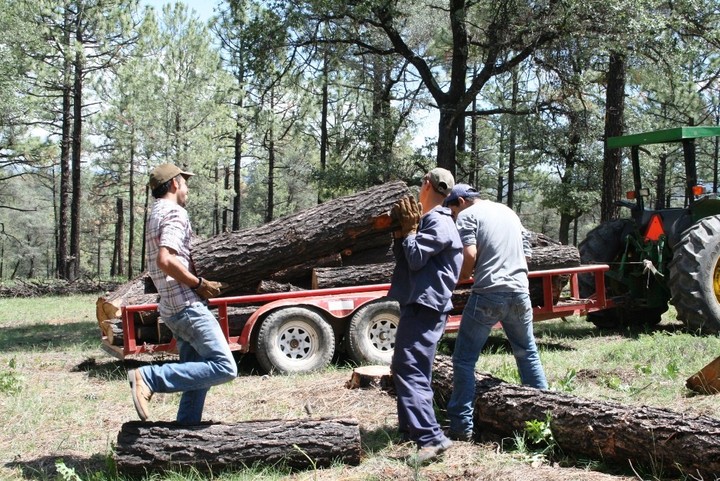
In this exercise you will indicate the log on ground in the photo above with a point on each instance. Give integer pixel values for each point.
(606, 431)
(298, 444)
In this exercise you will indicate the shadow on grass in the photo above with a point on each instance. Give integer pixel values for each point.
(45, 467)
(48, 336)
(500, 345)
(116, 370)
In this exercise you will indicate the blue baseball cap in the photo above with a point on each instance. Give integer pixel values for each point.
(461, 190)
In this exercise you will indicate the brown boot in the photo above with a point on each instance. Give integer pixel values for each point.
(141, 393)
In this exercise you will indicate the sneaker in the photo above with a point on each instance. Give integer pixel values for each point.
(460, 436)
(432, 452)
(141, 393)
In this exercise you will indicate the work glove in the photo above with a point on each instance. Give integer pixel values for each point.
(407, 212)
(209, 289)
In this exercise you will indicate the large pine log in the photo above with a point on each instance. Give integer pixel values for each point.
(543, 257)
(600, 430)
(244, 258)
(301, 274)
(148, 447)
(553, 257)
(352, 275)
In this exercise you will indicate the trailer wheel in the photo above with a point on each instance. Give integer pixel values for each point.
(295, 340)
(370, 337)
(695, 276)
(605, 245)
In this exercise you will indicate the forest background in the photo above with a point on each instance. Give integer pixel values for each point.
(277, 106)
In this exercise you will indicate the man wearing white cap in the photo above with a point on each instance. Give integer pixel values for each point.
(205, 357)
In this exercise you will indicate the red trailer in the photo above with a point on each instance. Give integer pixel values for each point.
(300, 331)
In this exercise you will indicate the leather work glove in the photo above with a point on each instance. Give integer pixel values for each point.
(407, 211)
(209, 289)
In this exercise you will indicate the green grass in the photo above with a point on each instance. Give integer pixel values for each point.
(63, 401)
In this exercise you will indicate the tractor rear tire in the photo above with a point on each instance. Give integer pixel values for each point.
(602, 245)
(695, 276)
(605, 245)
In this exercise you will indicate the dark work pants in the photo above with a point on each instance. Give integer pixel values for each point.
(416, 338)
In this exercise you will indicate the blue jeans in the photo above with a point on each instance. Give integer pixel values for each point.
(482, 311)
(205, 361)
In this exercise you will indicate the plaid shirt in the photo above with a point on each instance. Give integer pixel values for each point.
(169, 226)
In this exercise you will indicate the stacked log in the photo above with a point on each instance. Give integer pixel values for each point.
(275, 257)
(353, 223)
(340, 243)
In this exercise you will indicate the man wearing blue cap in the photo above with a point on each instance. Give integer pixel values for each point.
(494, 253)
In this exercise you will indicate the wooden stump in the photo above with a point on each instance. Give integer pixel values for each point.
(147, 447)
(370, 376)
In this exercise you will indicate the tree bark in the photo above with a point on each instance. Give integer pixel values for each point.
(301, 274)
(553, 257)
(352, 275)
(614, 126)
(600, 430)
(148, 447)
(249, 256)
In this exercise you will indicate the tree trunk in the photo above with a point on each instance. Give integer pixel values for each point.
(614, 126)
(324, 123)
(118, 259)
(447, 133)
(65, 148)
(298, 444)
(131, 207)
(237, 173)
(74, 259)
(512, 141)
(247, 257)
(606, 431)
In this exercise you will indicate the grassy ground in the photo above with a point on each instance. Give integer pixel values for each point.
(62, 401)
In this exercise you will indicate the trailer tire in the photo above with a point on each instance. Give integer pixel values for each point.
(295, 340)
(604, 245)
(695, 276)
(370, 336)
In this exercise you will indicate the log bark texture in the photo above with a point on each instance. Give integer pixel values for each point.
(244, 258)
(149, 447)
(606, 431)
(352, 275)
(553, 257)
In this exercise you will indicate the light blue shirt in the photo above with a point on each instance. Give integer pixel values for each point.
(497, 233)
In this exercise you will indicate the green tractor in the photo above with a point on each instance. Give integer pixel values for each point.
(659, 256)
